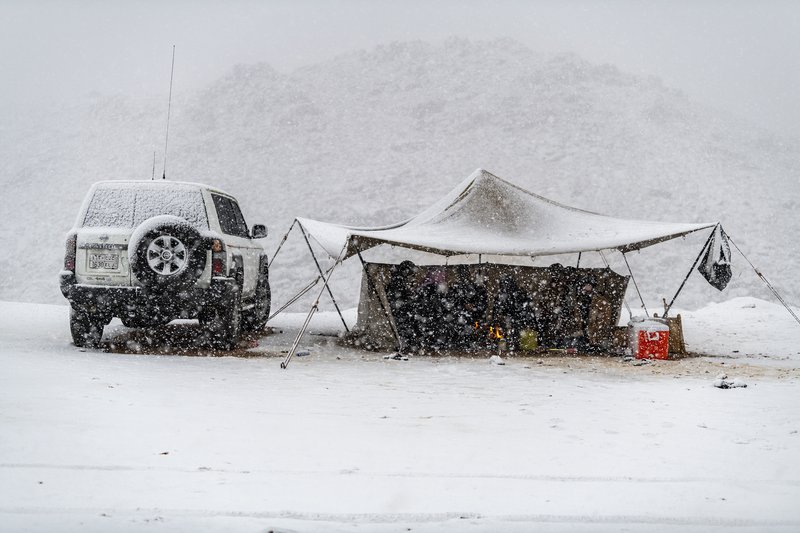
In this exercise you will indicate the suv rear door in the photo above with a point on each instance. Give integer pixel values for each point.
(111, 212)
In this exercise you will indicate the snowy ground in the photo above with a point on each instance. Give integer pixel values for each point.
(125, 440)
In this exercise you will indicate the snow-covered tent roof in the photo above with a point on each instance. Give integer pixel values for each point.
(488, 215)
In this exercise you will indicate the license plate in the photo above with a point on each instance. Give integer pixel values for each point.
(104, 261)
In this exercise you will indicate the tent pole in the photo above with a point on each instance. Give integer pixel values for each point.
(766, 282)
(296, 297)
(691, 269)
(314, 308)
(636, 285)
(371, 285)
(278, 249)
(319, 268)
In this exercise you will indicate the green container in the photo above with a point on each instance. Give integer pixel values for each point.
(529, 340)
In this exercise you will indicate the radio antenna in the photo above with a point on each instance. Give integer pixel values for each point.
(169, 108)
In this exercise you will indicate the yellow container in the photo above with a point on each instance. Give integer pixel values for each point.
(529, 340)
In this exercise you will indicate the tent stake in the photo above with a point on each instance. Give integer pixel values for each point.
(766, 282)
(371, 285)
(708, 241)
(319, 268)
(314, 308)
(636, 285)
(286, 235)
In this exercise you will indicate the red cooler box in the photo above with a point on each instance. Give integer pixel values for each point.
(649, 339)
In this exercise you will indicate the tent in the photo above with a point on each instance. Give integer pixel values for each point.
(487, 215)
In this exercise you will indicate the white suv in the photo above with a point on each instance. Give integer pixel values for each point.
(149, 252)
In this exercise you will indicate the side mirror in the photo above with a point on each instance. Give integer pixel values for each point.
(259, 231)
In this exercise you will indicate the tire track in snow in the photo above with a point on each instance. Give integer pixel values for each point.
(435, 475)
(389, 518)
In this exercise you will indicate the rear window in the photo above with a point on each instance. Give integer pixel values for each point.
(127, 207)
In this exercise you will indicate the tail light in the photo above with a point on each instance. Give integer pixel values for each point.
(217, 258)
(69, 254)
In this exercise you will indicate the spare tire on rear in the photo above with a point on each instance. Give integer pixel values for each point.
(166, 252)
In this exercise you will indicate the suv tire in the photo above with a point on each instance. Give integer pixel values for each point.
(86, 330)
(167, 253)
(255, 318)
(223, 324)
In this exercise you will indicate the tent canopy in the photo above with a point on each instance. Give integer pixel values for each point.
(488, 215)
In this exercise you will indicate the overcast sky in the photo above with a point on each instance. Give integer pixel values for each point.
(743, 57)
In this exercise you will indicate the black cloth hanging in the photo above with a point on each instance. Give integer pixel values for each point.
(716, 263)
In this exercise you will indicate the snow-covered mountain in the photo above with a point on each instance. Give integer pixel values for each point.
(376, 135)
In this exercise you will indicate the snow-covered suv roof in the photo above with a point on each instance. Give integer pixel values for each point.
(127, 203)
(157, 183)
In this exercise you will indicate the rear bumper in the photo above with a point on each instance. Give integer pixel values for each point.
(138, 302)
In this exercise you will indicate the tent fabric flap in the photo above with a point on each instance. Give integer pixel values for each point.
(551, 294)
(485, 214)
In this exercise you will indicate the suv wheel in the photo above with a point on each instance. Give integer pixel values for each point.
(167, 252)
(86, 330)
(256, 317)
(223, 324)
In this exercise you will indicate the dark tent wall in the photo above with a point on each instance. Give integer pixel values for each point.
(551, 294)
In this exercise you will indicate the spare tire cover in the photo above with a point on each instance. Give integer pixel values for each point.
(167, 252)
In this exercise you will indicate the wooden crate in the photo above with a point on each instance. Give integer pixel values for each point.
(677, 345)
